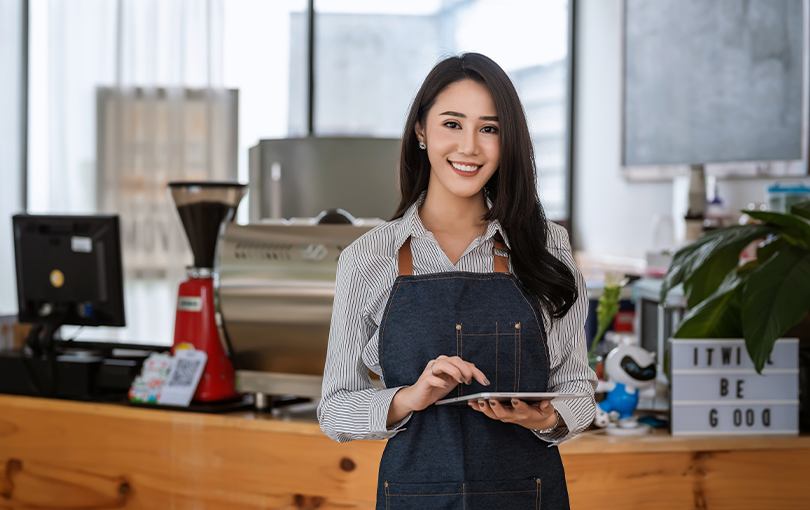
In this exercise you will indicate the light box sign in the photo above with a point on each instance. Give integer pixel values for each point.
(715, 389)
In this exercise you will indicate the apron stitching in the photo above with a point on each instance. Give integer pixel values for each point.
(520, 356)
(514, 342)
(385, 322)
(545, 343)
(537, 497)
(458, 352)
(457, 494)
(496, 356)
(461, 354)
(464, 496)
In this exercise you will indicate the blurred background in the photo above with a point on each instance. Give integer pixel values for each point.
(103, 102)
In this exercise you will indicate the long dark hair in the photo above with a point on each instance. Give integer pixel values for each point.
(511, 188)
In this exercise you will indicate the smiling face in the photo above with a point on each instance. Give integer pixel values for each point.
(461, 134)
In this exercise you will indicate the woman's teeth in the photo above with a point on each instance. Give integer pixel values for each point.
(465, 168)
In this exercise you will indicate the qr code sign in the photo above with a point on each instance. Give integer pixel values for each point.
(184, 375)
(184, 372)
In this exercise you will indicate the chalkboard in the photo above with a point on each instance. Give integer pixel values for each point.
(713, 81)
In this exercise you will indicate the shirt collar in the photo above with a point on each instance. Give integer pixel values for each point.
(411, 224)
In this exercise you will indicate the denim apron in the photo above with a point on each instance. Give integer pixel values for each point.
(454, 457)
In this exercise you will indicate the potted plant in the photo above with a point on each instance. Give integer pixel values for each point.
(758, 300)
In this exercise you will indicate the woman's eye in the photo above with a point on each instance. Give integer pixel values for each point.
(452, 125)
(489, 129)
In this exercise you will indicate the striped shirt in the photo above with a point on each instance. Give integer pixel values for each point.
(352, 407)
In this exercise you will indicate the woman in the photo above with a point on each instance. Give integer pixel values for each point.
(467, 289)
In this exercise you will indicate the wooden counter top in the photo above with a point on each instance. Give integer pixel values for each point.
(590, 442)
(59, 454)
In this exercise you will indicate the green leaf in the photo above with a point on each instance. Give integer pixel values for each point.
(775, 297)
(718, 316)
(801, 209)
(788, 221)
(702, 265)
(707, 277)
(767, 249)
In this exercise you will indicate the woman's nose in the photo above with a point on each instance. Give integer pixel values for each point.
(468, 144)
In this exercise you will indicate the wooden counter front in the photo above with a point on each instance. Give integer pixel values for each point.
(59, 454)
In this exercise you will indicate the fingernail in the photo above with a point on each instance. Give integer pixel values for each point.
(514, 402)
(460, 381)
(446, 385)
(492, 402)
(480, 404)
(486, 381)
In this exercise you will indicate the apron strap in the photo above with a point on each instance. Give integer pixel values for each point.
(405, 258)
(501, 262)
(405, 262)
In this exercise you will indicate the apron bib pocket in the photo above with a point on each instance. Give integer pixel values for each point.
(496, 350)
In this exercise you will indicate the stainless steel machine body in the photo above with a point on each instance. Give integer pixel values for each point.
(274, 287)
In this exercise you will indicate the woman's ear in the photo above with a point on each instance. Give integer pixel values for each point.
(420, 133)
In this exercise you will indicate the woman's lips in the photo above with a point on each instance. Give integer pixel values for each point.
(465, 169)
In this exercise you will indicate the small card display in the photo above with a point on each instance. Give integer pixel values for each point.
(716, 390)
(184, 375)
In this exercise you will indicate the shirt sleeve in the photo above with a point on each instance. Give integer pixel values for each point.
(351, 406)
(569, 371)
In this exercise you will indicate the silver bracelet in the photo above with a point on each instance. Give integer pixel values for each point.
(550, 429)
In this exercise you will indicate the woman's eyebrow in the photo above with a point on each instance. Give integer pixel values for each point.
(461, 115)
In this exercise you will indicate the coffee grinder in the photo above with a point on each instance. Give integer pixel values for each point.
(204, 208)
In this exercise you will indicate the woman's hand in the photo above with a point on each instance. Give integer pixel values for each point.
(438, 378)
(538, 416)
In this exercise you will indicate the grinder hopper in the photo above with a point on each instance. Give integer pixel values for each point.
(203, 207)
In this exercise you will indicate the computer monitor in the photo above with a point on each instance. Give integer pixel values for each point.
(68, 272)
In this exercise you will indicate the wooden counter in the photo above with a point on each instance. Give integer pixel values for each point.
(60, 454)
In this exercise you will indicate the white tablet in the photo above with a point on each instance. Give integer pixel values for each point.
(506, 397)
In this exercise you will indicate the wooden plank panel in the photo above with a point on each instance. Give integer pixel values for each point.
(700, 480)
(757, 480)
(629, 480)
(70, 460)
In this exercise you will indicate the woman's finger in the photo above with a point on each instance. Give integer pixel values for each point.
(444, 366)
(484, 407)
(463, 367)
(438, 382)
(501, 412)
(469, 371)
(479, 375)
(521, 408)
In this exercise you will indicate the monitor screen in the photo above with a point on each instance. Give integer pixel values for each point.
(69, 270)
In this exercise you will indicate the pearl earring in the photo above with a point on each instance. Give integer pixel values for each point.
(422, 145)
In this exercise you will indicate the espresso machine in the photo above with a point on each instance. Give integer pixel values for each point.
(204, 208)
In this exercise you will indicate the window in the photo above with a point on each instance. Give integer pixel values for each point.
(370, 58)
(12, 142)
